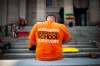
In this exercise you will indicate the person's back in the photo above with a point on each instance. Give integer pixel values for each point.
(48, 36)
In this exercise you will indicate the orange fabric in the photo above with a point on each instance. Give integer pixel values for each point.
(48, 37)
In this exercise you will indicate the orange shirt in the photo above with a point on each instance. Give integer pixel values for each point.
(48, 37)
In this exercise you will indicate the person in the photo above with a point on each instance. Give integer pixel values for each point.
(14, 31)
(61, 14)
(6, 30)
(48, 36)
(21, 22)
(4, 45)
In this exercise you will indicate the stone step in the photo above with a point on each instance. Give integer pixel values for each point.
(62, 62)
(32, 55)
(77, 46)
(63, 43)
(77, 28)
(69, 43)
(28, 51)
(21, 41)
(19, 51)
(78, 43)
(89, 49)
(73, 41)
(74, 36)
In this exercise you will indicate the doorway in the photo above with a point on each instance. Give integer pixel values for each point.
(80, 16)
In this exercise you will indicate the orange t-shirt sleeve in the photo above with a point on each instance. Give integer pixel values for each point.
(67, 35)
(32, 37)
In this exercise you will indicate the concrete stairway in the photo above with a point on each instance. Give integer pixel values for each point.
(82, 40)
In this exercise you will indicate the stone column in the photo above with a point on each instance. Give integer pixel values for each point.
(22, 9)
(4, 12)
(94, 12)
(0, 12)
(41, 10)
(68, 11)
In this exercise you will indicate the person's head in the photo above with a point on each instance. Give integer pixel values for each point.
(51, 18)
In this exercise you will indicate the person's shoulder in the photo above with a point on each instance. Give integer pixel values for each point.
(59, 24)
(62, 26)
(56, 23)
(37, 24)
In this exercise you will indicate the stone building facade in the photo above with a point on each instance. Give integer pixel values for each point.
(85, 12)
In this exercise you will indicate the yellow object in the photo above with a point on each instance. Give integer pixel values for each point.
(70, 50)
